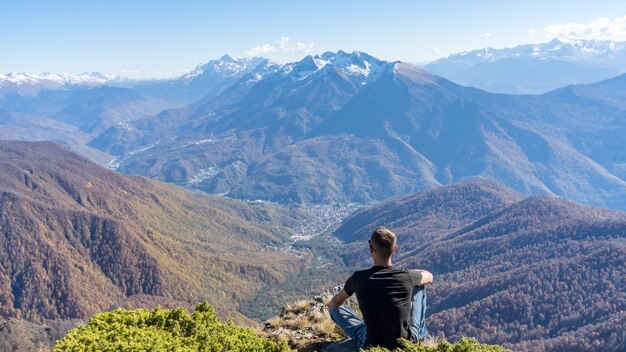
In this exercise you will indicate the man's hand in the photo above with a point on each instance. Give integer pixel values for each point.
(425, 277)
(338, 299)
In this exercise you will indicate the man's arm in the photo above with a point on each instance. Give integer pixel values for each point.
(338, 299)
(424, 277)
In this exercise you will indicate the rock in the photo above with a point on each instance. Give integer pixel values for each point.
(341, 346)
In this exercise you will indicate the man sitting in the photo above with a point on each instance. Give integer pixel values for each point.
(392, 300)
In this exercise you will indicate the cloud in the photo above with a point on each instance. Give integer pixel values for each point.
(281, 45)
(260, 50)
(484, 35)
(601, 28)
(436, 51)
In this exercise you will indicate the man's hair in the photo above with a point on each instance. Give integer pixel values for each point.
(383, 242)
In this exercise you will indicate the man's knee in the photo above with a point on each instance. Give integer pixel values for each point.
(419, 293)
(341, 312)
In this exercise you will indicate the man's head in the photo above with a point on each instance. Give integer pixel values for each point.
(382, 243)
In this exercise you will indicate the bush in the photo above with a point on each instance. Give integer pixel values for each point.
(164, 330)
(463, 345)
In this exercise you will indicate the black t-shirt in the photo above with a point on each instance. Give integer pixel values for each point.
(384, 296)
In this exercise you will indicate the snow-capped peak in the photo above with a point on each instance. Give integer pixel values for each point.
(357, 66)
(59, 78)
(228, 58)
(31, 84)
(225, 66)
(303, 68)
(556, 49)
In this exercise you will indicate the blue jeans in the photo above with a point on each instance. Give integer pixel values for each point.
(354, 326)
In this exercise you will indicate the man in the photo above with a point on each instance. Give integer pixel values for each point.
(392, 300)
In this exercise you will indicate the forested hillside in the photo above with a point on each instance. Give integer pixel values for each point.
(77, 239)
(536, 273)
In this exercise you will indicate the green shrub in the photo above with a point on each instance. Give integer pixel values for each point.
(164, 330)
(463, 345)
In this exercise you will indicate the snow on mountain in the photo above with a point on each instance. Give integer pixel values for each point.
(262, 71)
(226, 66)
(197, 83)
(360, 67)
(31, 84)
(226, 69)
(557, 49)
(206, 80)
(534, 68)
(60, 78)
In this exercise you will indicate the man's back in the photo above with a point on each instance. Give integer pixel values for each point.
(384, 296)
(391, 304)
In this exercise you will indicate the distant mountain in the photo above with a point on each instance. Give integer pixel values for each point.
(534, 68)
(17, 126)
(207, 80)
(27, 84)
(537, 273)
(77, 239)
(73, 116)
(349, 127)
(91, 109)
(72, 109)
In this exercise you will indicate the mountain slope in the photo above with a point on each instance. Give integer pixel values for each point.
(29, 127)
(78, 239)
(439, 210)
(539, 273)
(534, 68)
(91, 109)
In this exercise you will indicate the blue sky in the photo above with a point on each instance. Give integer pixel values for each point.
(156, 37)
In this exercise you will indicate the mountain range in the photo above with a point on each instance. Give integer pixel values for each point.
(523, 69)
(531, 273)
(534, 68)
(343, 127)
(28, 84)
(348, 127)
(208, 79)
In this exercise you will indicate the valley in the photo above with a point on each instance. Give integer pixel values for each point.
(323, 220)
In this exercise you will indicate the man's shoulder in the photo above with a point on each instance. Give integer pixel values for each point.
(415, 275)
(377, 271)
(367, 272)
(357, 275)
(364, 274)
